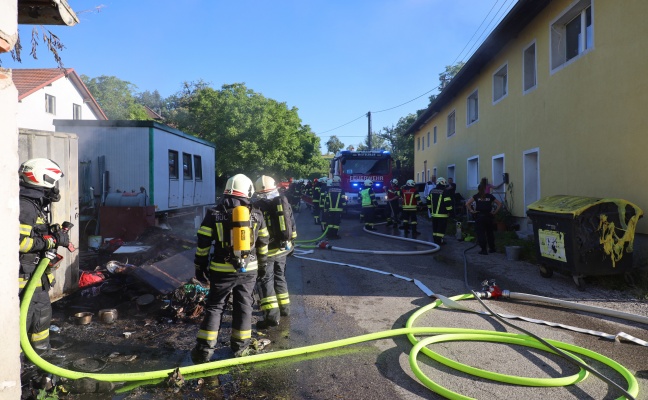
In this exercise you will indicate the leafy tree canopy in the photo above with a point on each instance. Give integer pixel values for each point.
(115, 97)
(334, 144)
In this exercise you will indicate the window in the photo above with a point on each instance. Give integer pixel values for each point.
(434, 172)
(500, 83)
(572, 34)
(76, 111)
(173, 164)
(198, 167)
(529, 68)
(428, 139)
(472, 108)
(417, 177)
(187, 170)
(435, 137)
(451, 123)
(451, 172)
(472, 176)
(50, 104)
(418, 143)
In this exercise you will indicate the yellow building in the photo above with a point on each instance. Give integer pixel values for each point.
(552, 97)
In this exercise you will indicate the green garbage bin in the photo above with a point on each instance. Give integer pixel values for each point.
(584, 236)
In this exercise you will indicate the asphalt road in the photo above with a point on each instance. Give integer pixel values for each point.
(332, 301)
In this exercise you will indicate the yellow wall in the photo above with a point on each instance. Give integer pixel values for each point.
(587, 119)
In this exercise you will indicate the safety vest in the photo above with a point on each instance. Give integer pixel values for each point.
(368, 197)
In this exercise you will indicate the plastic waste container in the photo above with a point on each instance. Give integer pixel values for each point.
(584, 236)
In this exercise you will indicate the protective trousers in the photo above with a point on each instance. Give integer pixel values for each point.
(392, 218)
(410, 220)
(39, 318)
(241, 286)
(268, 304)
(439, 225)
(369, 214)
(280, 284)
(333, 219)
(484, 227)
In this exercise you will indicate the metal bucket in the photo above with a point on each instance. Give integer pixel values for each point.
(82, 318)
(108, 315)
(513, 253)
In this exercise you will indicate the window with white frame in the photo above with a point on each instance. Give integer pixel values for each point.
(472, 174)
(472, 108)
(529, 68)
(435, 136)
(451, 172)
(417, 177)
(572, 34)
(451, 123)
(500, 83)
(76, 111)
(50, 104)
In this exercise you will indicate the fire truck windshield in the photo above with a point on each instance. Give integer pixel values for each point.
(366, 167)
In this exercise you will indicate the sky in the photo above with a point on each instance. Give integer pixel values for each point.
(333, 60)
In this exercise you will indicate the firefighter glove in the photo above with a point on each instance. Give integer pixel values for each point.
(202, 273)
(50, 242)
(62, 238)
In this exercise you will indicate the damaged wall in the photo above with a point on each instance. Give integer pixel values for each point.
(9, 305)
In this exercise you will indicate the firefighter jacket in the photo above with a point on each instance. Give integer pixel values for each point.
(411, 198)
(322, 196)
(368, 197)
(34, 227)
(393, 193)
(335, 199)
(440, 202)
(216, 228)
(280, 221)
(317, 191)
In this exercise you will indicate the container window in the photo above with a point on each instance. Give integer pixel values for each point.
(187, 170)
(198, 167)
(173, 164)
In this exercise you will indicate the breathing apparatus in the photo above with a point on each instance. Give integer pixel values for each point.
(241, 234)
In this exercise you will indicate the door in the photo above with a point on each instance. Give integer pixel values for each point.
(187, 180)
(531, 166)
(174, 179)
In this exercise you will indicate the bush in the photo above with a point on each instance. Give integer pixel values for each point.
(503, 239)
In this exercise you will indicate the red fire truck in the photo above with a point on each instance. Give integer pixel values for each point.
(355, 167)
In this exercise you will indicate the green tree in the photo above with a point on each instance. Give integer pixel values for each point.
(115, 97)
(377, 143)
(400, 145)
(334, 144)
(152, 100)
(253, 134)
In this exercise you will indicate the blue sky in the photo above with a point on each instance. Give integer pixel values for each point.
(333, 60)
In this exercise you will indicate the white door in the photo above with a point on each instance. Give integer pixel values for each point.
(531, 166)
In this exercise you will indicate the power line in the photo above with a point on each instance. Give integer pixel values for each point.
(439, 86)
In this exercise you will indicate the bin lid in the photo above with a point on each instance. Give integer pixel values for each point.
(575, 205)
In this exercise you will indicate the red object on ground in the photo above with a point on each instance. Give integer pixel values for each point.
(90, 278)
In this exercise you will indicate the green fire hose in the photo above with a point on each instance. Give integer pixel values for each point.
(441, 335)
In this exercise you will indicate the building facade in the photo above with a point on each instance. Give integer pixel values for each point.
(552, 98)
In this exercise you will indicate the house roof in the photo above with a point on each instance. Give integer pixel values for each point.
(28, 81)
(513, 23)
(46, 12)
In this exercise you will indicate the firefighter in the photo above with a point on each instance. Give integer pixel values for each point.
(239, 236)
(393, 203)
(280, 221)
(411, 202)
(334, 204)
(440, 204)
(323, 191)
(369, 205)
(315, 199)
(38, 178)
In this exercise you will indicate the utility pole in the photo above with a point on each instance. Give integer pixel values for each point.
(369, 134)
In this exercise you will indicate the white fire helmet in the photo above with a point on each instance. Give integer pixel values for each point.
(441, 181)
(394, 181)
(336, 180)
(264, 184)
(40, 172)
(410, 182)
(240, 186)
(368, 183)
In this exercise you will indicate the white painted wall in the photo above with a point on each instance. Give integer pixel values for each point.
(31, 110)
(9, 209)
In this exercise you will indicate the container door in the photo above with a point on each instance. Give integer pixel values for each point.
(187, 180)
(198, 184)
(174, 179)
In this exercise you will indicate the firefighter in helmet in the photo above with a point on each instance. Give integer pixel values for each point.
(393, 203)
(440, 202)
(280, 221)
(38, 179)
(334, 203)
(411, 202)
(237, 231)
(369, 205)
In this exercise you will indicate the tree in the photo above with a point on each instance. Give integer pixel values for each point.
(152, 100)
(334, 144)
(450, 71)
(377, 143)
(400, 145)
(115, 97)
(253, 135)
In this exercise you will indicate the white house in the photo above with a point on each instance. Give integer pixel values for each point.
(51, 93)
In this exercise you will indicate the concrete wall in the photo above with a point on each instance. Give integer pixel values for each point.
(9, 208)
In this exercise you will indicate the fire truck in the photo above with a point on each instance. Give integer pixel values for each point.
(355, 167)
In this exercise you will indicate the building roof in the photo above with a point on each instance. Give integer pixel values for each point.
(46, 12)
(28, 81)
(513, 23)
